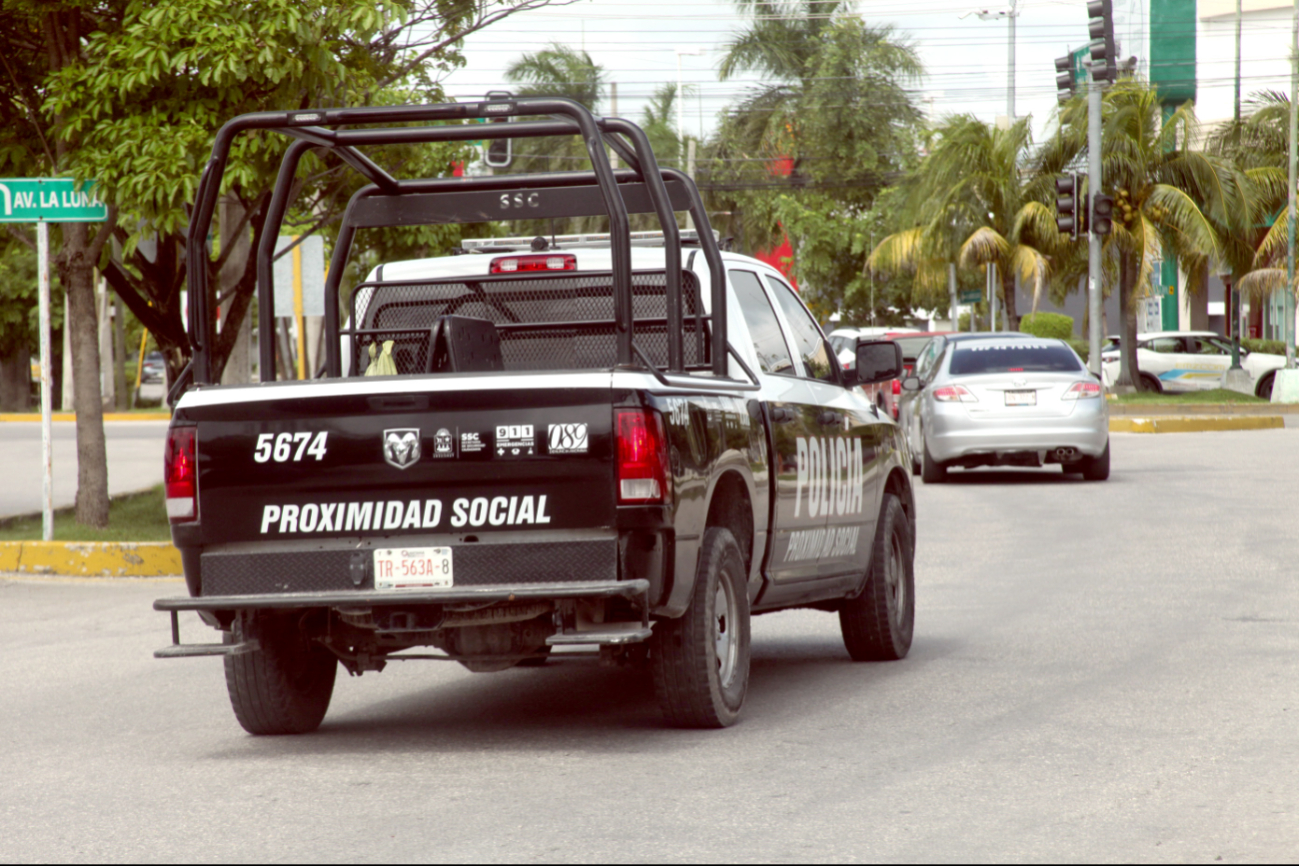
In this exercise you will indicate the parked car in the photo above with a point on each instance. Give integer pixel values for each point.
(155, 368)
(885, 394)
(1004, 400)
(844, 339)
(1180, 361)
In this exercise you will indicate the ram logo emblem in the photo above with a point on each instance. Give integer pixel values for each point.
(401, 447)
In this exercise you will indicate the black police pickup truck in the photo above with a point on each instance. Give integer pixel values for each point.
(623, 446)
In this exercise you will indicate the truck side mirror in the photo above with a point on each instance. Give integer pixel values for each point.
(878, 361)
(912, 383)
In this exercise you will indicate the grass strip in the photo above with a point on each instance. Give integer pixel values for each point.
(134, 517)
(1217, 395)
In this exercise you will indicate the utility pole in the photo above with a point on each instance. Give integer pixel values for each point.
(1010, 84)
(1235, 289)
(1103, 67)
(1094, 93)
(1294, 177)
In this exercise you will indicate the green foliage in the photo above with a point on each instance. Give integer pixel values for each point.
(1082, 347)
(18, 314)
(808, 152)
(1216, 395)
(1266, 347)
(1055, 325)
(133, 517)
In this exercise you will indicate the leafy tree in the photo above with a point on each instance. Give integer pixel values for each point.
(1257, 146)
(1168, 196)
(131, 93)
(808, 151)
(973, 201)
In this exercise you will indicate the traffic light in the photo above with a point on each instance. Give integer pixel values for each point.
(1064, 79)
(1066, 205)
(1102, 213)
(500, 152)
(1104, 51)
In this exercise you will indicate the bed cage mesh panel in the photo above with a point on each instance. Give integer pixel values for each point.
(546, 321)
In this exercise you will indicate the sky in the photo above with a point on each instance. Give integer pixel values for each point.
(965, 59)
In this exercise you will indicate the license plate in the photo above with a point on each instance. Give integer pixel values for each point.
(1021, 398)
(402, 568)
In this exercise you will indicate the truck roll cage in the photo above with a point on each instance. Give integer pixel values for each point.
(387, 201)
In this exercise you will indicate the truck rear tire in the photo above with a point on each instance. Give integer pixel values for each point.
(701, 660)
(878, 623)
(284, 686)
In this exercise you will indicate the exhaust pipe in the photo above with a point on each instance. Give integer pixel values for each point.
(1066, 455)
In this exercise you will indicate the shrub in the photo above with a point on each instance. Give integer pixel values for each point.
(1079, 346)
(1054, 325)
(1267, 347)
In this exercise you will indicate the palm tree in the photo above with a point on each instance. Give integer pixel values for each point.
(974, 201)
(806, 153)
(557, 70)
(1167, 196)
(832, 115)
(1257, 145)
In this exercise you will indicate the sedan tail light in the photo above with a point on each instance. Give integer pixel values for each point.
(1082, 390)
(954, 394)
(180, 474)
(642, 457)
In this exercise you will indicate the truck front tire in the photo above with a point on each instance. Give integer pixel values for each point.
(877, 623)
(284, 686)
(701, 660)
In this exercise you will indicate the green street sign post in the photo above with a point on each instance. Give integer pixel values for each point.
(969, 296)
(45, 200)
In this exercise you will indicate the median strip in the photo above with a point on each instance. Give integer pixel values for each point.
(90, 558)
(1194, 423)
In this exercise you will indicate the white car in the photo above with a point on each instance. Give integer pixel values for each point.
(1177, 361)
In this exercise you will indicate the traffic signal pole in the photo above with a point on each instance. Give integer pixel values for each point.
(1094, 92)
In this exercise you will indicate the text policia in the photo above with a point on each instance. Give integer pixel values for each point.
(830, 476)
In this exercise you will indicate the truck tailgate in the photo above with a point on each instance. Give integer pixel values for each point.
(299, 479)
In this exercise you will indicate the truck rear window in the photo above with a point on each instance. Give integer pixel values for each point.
(563, 321)
(970, 359)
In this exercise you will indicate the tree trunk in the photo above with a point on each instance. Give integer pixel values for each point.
(1008, 295)
(75, 272)
(1128, 374)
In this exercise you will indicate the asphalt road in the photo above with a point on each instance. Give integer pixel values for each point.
(1100, 672)
(134, 461)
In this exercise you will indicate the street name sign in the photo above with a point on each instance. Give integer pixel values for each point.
(50, 200)
(969, 296)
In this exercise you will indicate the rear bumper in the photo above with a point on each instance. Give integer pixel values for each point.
(380, 598)
(953, 434)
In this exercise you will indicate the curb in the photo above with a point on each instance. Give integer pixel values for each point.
(91, 558)
(1145, 410)
(1195, 424)
(71, 416)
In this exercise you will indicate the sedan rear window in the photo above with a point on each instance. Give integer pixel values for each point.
(1019, 357)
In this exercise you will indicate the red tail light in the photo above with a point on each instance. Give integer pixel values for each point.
(953, 394)
(180, 473)
(897, 387)
(642, 457)
(520, 264)
(1082, 389)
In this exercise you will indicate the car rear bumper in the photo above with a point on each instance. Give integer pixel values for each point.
(953, 434)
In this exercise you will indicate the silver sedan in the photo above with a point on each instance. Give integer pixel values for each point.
(1005, 400)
